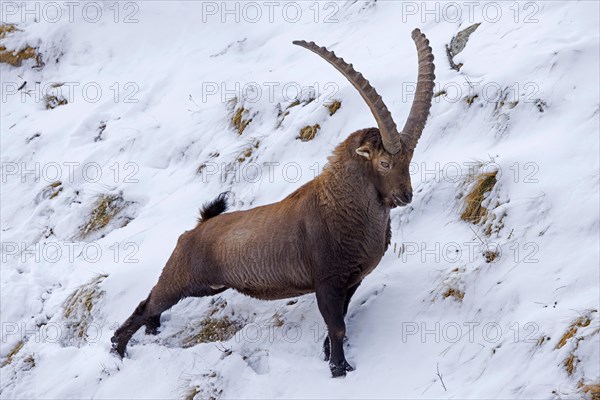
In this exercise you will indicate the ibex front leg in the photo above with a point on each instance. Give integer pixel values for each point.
(331, 299)
(349, 293)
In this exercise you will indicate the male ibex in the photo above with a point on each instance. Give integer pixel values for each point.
(325, 237)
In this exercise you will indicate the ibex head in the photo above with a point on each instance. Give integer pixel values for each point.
(387, 151)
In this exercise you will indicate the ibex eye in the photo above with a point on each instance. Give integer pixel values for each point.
(385, 164)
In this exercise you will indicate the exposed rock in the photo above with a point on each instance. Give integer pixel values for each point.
(458, 43)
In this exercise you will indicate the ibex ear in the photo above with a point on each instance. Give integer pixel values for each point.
(364, 151)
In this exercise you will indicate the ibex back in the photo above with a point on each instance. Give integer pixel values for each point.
(325, 237)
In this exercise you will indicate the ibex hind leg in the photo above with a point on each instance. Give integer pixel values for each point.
(146, 313)
(153, 322)
(161, 298)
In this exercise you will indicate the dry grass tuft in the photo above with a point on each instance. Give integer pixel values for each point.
(475, 212)
(51, 101)
(333, 107)
(191, 393)
(281, 114)
(504, 102)
(57, 188)
(471, 99)
(453, 292)
(308, 132)
(16, 57)
(543, 339)
(490, 256)
(580, 322)
(293, 104)
(78, 308)
(208, 389)
(302, 100)
(12, 353)
(592, 391)
(50, 191)
(494, 225)
(247, 152)
(450, 286)
(240, 119)
(6, 29)
(570, 363)
(213, 330)
(278, 320)
(106, 208)
(200, 168)
(28, 362)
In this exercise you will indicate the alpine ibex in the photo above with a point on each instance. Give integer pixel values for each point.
(325, 237)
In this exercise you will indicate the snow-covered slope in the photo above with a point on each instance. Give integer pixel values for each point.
(504, 308)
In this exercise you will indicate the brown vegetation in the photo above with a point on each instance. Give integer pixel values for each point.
(308, 132)
(474, 211)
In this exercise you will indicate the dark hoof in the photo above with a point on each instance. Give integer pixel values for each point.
(152, 325)
(339, 370)
(151, 330)
(117, 348)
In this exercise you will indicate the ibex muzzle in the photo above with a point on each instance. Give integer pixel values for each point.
(325, 237)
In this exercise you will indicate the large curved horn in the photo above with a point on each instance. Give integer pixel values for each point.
(392, 140)
(419, 111)
(389, 132)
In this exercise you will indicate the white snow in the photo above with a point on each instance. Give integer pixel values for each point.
(166, 78)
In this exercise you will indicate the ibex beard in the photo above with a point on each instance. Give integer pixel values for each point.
(325, 237)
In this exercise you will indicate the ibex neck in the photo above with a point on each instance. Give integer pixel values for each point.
(346, 186)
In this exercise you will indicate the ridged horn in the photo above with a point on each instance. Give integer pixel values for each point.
(419, 111)
(387, 127)
(392, 140)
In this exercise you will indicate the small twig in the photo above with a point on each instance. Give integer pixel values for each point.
(194, 102)
(480, 239)
(223, 349)
(440, 376)
(468, 81)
